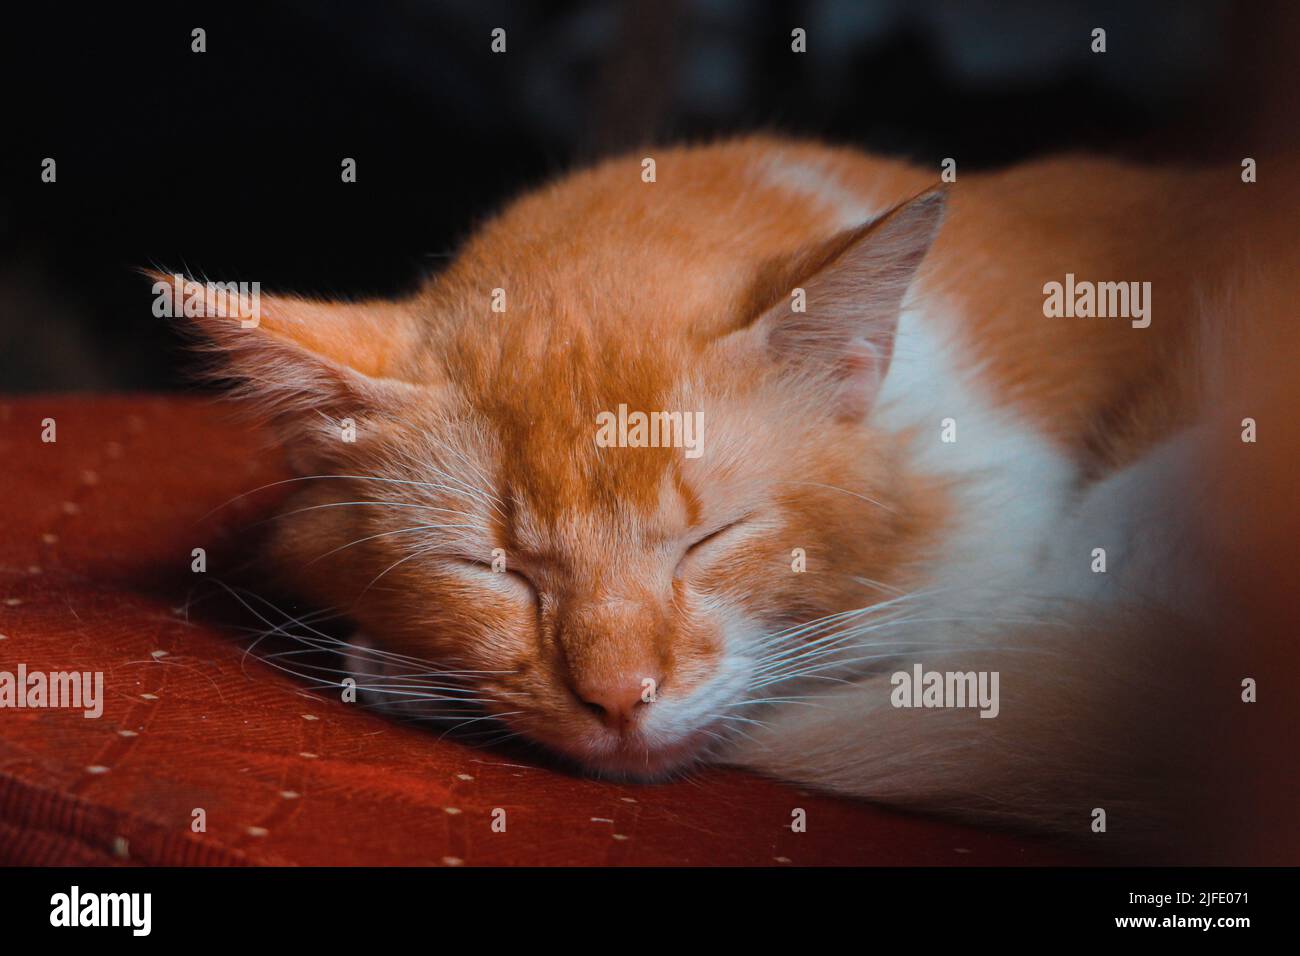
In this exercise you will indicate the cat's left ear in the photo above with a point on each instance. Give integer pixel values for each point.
(839, 335)
(302, 364)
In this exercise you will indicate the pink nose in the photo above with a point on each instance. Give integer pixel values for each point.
(616, 702)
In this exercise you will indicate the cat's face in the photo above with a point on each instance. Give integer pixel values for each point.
(498, 515)
(616, 603)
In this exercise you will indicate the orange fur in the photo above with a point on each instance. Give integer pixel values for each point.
(674, 295)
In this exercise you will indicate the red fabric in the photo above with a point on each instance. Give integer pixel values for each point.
(96, 531)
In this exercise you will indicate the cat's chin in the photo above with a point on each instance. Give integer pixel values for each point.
(635, 761)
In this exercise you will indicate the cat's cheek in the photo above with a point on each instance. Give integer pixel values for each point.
(760, 582)
(699, 703)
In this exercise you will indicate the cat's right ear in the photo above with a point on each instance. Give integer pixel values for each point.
(836, 332)
(302, 363)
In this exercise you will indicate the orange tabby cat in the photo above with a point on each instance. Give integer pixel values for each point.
(887, 446)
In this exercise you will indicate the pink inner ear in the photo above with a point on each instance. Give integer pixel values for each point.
(863, 366)
(855, 284)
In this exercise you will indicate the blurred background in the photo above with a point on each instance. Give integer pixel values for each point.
(227, 163)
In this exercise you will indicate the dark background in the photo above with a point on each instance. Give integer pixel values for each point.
(226, 163)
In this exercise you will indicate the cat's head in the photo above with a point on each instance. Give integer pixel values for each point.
(478, 494)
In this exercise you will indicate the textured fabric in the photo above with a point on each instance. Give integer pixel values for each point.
(96, 534)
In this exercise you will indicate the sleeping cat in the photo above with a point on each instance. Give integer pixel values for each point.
(938, 543)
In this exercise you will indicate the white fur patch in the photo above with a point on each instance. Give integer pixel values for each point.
(1154, 557)
(820, 186)
(1011, 485)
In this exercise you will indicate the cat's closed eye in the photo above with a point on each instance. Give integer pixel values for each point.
(708, 544)
(515, 581)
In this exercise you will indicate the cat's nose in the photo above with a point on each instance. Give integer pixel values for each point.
(617, 702)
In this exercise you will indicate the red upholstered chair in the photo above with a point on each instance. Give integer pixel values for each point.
(97, 530)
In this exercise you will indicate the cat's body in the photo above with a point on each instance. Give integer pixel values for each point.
(916, 469)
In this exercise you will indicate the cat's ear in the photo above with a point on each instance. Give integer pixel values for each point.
(299, 362)
(839, 332)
